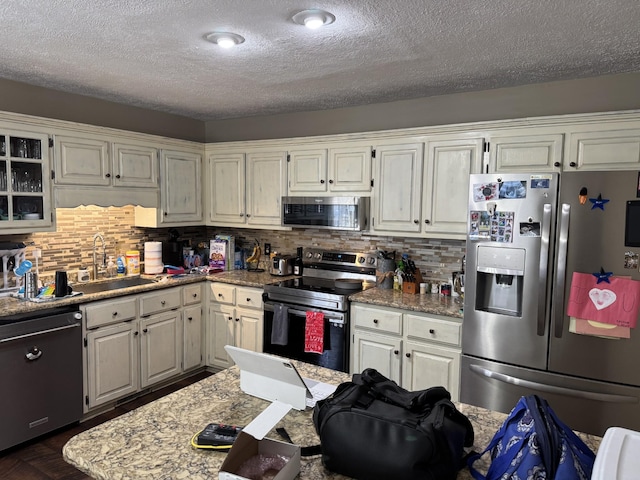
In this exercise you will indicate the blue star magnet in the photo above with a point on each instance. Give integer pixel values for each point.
(602, 276)
(598, 202)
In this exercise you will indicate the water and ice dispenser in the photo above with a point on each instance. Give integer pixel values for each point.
(499, 280)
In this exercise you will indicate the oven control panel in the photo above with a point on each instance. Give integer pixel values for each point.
(316, 256)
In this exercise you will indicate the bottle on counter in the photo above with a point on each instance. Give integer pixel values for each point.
(121, 268)
(297, 263)
(112, 269)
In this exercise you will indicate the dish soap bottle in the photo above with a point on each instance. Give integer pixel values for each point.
(121, 269)
(112, 269)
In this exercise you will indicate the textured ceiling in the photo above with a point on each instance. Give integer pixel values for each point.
(153, 54)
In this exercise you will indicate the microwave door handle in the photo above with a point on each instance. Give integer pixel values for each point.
(561, 271)
(545, 236)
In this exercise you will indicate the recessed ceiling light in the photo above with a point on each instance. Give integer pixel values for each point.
(313, 18)
(225, 39)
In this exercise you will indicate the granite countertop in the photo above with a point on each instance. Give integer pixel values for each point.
(153, 441)
(426, 303)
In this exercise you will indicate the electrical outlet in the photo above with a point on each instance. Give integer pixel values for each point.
(267, 248)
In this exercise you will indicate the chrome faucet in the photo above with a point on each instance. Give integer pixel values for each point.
(103, 266)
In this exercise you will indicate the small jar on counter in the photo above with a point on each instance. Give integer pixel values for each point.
(83, 275)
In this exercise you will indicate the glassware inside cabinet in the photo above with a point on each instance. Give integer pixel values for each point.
(26, 148)
(3, 176)
(26, 177)
(3, 146)
(27, 208)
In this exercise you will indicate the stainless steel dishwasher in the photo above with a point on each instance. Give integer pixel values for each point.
(40, 373)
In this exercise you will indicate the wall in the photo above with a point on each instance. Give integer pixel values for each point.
(71, 246)
(598, 94)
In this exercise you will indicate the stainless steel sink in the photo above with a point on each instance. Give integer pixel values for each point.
(115, 284)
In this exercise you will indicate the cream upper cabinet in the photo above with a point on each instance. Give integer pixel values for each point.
(397, 188)
(180, 192)
(246, 188)
(446, 179)
(265, 187)
(25, 186)
(614, 146)
(94, 160)
(307, 171)
(227, 188)
(341, 169)
(525, 153)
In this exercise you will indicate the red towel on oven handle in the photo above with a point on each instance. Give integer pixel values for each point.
(314, 332)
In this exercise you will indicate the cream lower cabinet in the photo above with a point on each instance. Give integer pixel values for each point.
(235, 318)
(415, 350)
(134, 342)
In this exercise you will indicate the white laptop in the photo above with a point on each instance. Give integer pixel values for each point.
(275, 378)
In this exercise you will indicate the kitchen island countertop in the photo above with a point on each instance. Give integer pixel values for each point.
(153, 441)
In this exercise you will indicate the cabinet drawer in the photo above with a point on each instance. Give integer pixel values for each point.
(223, 293)
(249, 298)
(191, 294)
(433, 329)
(111, 311)
(377, 319)
(160, 301)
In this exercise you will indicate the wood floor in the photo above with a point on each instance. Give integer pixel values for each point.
(41, 459)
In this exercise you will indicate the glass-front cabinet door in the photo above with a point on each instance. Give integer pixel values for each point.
(25, 197)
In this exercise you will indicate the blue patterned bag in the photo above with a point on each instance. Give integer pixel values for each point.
(533, 444)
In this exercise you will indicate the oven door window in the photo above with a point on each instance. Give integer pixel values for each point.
(336, 337)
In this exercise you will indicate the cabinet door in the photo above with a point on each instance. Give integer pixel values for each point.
(530, 153)
(430, 366)
(249, 328)
(381, 352)
(192, 337)
(135, 166)
(160, 348)
(604, 150)
(397, 188)
(446, 180)
(220, 332)
(307, 171)
(181, 193)
(25, 187)
(112, 363)
(265, 187)
(227, 188)
(350, 170)
(82, 161)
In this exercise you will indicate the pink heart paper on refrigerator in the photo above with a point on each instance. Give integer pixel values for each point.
(616, 302)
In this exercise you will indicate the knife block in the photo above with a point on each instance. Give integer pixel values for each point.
(412, 287)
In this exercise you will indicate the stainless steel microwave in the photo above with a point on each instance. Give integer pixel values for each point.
(333, 213)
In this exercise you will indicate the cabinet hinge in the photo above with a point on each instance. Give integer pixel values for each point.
(372, 183)
(373, 153)
(288, 157)
(86, 399)
(53, 174)
(50, 142)
(486, 146)
(85, 342)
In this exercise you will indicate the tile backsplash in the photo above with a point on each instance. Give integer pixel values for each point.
(71, 245)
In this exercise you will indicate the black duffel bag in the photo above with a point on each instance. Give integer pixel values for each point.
(373, 429)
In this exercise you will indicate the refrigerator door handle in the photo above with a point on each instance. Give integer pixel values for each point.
(545, 236)
(561, 271)
(521, 382)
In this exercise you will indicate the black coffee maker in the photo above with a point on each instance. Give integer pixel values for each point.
(172, 249)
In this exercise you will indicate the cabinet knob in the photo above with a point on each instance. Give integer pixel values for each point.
(396, 352)
(165, 214)
(220, 295)
(572, 164)
(114, 314)
(330, 181)
(108, 175)
(194, 295)
(321, 181)
(416, 221)
(432, 331)
(230, 318)
(242, 214)
(237, 319)
(189, 318)
(248, 300)
(162, 302)
(556, 164)
(248, 215)
(117, 176)
(145, 330)
(375, 320)
(135, 333)
(408, 355)
(427, 221)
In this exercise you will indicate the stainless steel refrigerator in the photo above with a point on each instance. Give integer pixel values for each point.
(527, 234)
